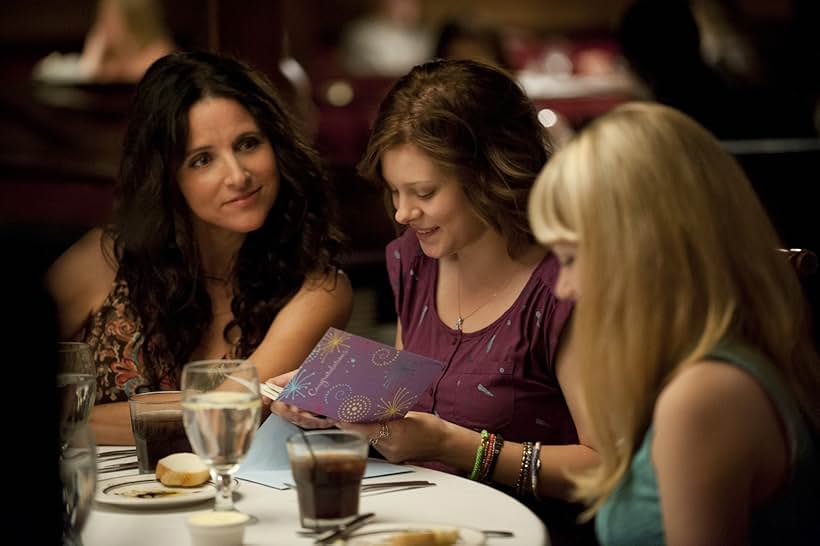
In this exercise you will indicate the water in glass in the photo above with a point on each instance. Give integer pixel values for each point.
(221, 409)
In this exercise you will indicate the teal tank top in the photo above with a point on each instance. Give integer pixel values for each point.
(632, 513)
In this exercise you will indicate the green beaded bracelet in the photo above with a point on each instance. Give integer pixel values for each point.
(479, 454)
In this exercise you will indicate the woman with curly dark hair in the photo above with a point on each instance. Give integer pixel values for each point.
(223, 244)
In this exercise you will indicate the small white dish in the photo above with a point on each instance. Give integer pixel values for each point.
(217, 528)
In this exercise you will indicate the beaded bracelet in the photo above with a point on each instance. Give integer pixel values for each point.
(497, 445)
(490, 456)
(524, 473)
(479, 454)
(485, 460)
(535, 468)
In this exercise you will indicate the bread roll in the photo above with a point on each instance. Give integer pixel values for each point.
(413, 538)
(182, 469)
(433, 537)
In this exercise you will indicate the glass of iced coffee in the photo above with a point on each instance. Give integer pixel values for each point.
(328, 466)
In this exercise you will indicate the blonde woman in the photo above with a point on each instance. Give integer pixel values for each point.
(699, 378)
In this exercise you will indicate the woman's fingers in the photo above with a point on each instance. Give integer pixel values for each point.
(300, 417)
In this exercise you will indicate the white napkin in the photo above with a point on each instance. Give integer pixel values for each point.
(267, 460)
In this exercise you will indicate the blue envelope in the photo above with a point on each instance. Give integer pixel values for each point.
(267, 460)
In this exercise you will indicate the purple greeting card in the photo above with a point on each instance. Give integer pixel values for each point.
(357, 380)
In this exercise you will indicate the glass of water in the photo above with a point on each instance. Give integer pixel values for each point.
(76, 386)
(78, 473)
(221, 410)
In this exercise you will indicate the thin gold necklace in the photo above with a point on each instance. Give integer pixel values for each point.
(461, 318)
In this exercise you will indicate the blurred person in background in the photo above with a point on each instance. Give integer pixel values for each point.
(661, 41)
(465, 39)
(387, 41)
(223, 243)
(124, 39)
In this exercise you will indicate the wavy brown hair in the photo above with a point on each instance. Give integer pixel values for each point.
(475, 122)
(154, 243)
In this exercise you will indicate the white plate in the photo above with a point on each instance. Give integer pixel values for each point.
(380, 533)
(145, 491)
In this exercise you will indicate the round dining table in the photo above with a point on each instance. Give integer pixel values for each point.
(452, 502)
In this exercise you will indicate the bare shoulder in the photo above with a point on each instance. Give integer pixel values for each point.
(80, 278)
(715, 406)
(330, 288)
(717, 450)
(703, 389)
(329, 281)
(92, 253)
(329, 294)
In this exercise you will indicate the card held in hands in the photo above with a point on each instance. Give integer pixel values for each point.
(357, 380)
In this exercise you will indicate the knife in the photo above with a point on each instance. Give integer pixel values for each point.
(343, 530)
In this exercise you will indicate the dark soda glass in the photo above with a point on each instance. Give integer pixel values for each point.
(158, 434)
(328, 489)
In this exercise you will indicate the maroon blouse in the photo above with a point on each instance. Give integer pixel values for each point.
(500, 378)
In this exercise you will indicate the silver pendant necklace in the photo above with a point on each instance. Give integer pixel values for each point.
(461, 318)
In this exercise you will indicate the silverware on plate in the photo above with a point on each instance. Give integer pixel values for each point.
(116, 454)
(117, 467)
(343, 531)
(115, 457)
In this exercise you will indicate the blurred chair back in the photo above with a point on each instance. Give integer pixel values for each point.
(804, 261)
(805, 264)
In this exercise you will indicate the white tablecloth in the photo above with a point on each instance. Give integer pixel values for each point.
(453, 501)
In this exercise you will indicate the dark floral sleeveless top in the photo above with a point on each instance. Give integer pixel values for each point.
(117, 341)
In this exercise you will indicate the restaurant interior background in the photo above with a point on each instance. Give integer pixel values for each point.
(60, 138)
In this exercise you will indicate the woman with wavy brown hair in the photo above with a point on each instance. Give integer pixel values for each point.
(223, 243)
(457, 145)
(697, 369)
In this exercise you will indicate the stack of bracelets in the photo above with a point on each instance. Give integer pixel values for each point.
(486, 457)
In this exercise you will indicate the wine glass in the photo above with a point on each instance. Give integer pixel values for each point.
(76, 386)
(221, 409)
(78, 473)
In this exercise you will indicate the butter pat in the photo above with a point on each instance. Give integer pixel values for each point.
(217, 528)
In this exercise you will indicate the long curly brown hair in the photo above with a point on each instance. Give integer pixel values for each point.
(154, 243)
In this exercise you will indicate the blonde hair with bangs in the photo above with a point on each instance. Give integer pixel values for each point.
(678, 254)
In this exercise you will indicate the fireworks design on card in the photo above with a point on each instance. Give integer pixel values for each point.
(297, 385)
(396, 373)
(384, 356)
(332, 342)
(349, 378)
(339, 392)
(401, 402)
(354, 408)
